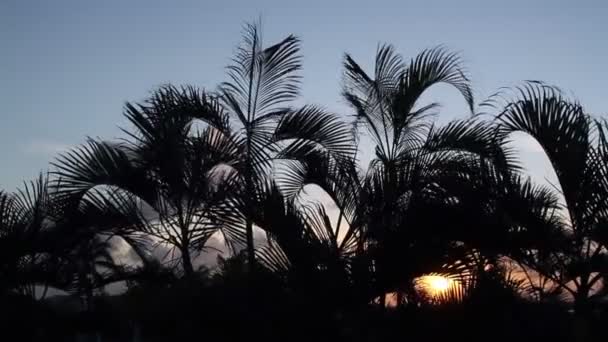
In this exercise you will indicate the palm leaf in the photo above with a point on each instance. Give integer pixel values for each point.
(474, 137)
(431, 67)
(560, 126)
(369, 96)
(261, 78)
(100, 163)
(311, 125)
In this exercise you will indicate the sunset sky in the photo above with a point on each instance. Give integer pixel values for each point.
(67, 67)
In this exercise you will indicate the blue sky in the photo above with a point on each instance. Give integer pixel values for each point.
(67, 67)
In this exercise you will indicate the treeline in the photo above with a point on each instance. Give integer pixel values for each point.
(316, 245)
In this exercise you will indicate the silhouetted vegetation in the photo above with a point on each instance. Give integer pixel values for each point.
(234, 214)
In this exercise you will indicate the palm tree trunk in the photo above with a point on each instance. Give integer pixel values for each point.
(582, 314)
(249, 231)
(250, 245)
(249, 202)
(187, 261)
(582, 305)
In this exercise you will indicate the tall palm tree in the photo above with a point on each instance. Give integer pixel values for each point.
(263, 80)
(575, 144)
(182, 181)
(388, 210)
(411, 156)
(167, 171)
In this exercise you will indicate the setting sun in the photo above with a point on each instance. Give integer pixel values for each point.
(438, 283)
(434, 286)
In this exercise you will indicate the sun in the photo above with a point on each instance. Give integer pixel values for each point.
(434, 285)
(438, 283)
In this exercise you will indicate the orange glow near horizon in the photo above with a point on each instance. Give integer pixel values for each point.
(435, 286)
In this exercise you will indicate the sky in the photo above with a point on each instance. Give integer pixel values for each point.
(68, 66)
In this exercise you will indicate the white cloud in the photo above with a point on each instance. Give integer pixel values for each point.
(44, 147)
(525, 143)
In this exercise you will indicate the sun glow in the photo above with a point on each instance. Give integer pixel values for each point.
(438, 283)
(434, 285)
(433, 288)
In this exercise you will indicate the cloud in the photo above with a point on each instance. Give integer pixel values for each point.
(167, 254)
(44, 147)
(525, 143)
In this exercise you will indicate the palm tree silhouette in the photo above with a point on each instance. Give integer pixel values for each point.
(262, 82)
(389, 211)
(166, 172)
(182, 182)
(23, 230)
(575, 144)
(411, 157)
(48, 242)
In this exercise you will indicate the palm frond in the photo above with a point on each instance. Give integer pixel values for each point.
(33, 201)
(562, 129)
(9, 215)
(388, 103)
(261, 78)
(311, 125)
(431, 67)
(272, 257)
(100, 163)
(370, 96)
(338, 178)
(170, 109)
(471, 136)
(388, 71)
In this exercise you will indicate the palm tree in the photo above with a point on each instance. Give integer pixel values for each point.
(167, 171)
(576, 258)
(411, 157)
(46, 241)
(181, 181)
(511, 214)
(23, 227)
(387, 210)
(262, 82)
